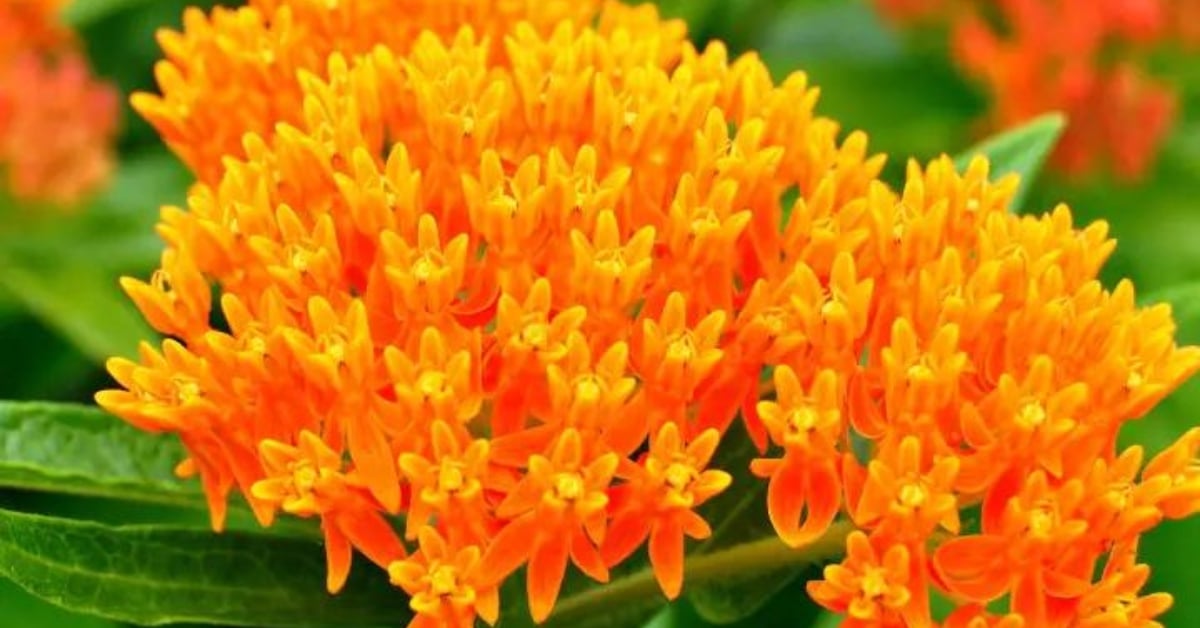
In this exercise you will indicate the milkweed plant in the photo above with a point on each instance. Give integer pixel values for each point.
(542, 312)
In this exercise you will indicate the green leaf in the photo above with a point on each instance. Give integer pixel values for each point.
(83, 303)
(35, 613)
(790, 607)
(80, 13)
(64, 268)
(155, 575)
(83, 451)
(1021, 151)
(634, 598)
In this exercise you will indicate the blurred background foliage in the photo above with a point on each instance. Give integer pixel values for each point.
(61, 312)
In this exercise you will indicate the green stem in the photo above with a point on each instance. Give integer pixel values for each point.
(757, 556)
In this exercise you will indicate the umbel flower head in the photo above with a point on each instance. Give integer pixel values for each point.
(519, 287)
(234, 70)
(57, 122)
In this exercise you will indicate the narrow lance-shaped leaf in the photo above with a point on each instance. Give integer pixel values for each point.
(35, 613)
(80, 450)
(156, 575)
(1021, 151)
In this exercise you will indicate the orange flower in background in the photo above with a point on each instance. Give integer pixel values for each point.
(1058, 55)
(31, 26)
(520, 289)
(57, 122)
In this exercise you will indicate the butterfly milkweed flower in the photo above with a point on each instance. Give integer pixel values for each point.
(57, 122)
(520, 281)
(1084, 58)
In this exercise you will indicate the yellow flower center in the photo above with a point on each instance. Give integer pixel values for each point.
(682, 348)
(304, 476)
(704, 221)
(427, 266)
(584, 187)
(679, 476)
(1042, 522)
(300, 258)
(1031, 415)
(774, 320)
(588, 389)
(257, 344)
(832, 307)
(568, 486)
(920, 372)
(333, 345)
(1119, 494)
(611, 261)
(803, 419)
(443, 580)
(536, 335)
(450, 477)
(186, 389)
(913, 495)
(874, 583)
(432, 383)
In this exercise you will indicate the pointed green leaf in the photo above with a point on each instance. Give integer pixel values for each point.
(1021, 151)
(155, 575)
(80, 450)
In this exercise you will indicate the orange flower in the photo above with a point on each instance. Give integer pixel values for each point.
(659, 501)
(557, 513)
(1037, 56)
(1181, 466)
(448, 487)
(869, 587)
(901, 501)
(1031, 548)
(307, 480)
(1116, 600)
(444, 586)
(261, 47)
(57, 122)
(802, 497)
(31, 25)
(515, 282)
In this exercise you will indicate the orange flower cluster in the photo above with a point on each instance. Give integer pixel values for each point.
(262, 46)
(57, 123)
(1075, 56)
(519, 288)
